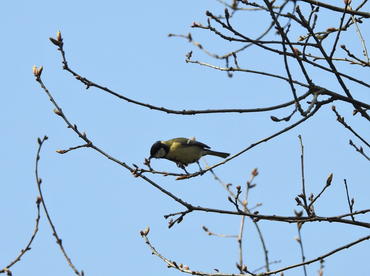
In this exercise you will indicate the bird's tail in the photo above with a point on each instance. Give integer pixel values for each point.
(216, 153)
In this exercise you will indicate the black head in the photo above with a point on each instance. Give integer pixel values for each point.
(158, 150)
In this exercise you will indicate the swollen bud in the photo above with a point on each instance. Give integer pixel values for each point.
(328, 181)
(34, 69)
(38, 200)
(297, 51)
(58, 112)
(208, 13)
(59, 36)
(274, 119)
(298, 201)
(227, 15)
(330, 30)
(54, 41)
(40, 71)
(254, 172)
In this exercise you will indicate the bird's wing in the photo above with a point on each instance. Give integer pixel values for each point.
(188, 142)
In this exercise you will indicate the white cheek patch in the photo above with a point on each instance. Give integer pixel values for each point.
(160, 153)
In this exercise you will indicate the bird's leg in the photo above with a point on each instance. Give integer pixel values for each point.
(182, 166)
(200, 168)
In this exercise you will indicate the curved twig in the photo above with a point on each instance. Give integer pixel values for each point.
(28, 246)
(38, 180)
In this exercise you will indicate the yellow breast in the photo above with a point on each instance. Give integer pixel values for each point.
(184, 154)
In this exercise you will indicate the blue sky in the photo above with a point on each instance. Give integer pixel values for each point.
(98, 208)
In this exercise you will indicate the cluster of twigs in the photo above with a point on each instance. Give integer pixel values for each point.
(234, 198)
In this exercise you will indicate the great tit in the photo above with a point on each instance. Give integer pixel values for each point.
(182, 151)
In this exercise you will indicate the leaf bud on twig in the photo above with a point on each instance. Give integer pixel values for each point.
(331, 29)
(328, 181)
(40, 71)
(229, 198)
(298, 201)
(297, 51)
(59, 36)
(208, 13)
(254, 172)
(58, 112)
(54, 41)
(227, 15)
(34, 69)
(274, 119)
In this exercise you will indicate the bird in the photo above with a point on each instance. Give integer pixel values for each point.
(183, 151)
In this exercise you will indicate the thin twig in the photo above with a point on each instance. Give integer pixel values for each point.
(301, 246)
(338, 9)
(349, 202)
(318, 258)
(38, 180)
(339, 31)
(28, 246)
(186, 269)
(360, 150)
(341, 120)
(328, 183)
